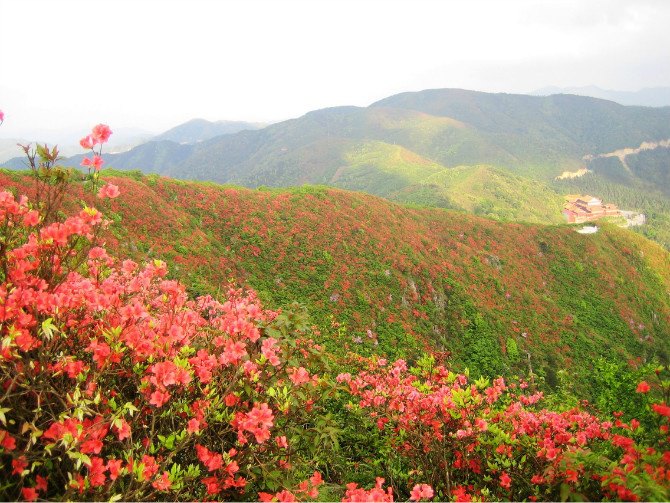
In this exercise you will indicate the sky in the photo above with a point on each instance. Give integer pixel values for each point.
(66, 65)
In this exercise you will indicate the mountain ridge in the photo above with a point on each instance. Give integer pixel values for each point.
(198, 130)
(391, 147)
(648, 97)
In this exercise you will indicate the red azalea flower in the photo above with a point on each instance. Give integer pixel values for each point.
(212, 460)
(162, 483)
(41, 483)
(18, 465)
(643, 387)
(661, 408)
(29, 493)
(212, 484)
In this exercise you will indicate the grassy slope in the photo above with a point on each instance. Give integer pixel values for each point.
(382, 169)
(401, 175)
(487, 191)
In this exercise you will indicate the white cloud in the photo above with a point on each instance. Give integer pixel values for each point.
(155, 63)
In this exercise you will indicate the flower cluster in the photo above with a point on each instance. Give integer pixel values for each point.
(113, 374)
(98, 136)
(473, 439)
(377, 493)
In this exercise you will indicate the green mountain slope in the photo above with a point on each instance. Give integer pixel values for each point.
(380, 168)
(542, 133)
(536, 136)
(487, 191)
(399, 174)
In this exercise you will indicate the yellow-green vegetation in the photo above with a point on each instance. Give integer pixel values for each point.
(397, 173)
(381, 168)
(488, 191)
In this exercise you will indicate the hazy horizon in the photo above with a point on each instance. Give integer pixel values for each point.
(152, 65)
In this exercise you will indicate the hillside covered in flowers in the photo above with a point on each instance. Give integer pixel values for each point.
(165, 340)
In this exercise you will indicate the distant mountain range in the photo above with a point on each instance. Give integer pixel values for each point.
(531, 135)
(68, 142)
(197, 130)
(648, 97)
(124, 139)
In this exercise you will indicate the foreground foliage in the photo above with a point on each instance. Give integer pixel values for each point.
(481, 440)
(117, 386)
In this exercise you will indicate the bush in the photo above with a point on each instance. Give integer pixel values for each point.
(115, 385)
(491, 440)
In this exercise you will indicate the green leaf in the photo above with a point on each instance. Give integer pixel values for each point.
(565, 491)
(48, 328)
(128, 406)
(42, 152)
(79, 458)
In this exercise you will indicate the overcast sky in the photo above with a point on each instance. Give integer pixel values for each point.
(152, 64)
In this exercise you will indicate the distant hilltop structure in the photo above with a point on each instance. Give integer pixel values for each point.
(583, 208)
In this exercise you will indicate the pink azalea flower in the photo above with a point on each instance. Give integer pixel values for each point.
(123, 430)
(193, 426)
(95, 163)
(421, 491)
(101, 133)
(87, 142)
(316, 480)
(31, 219)
(110, 190)
(299, 375)
(158, 398)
